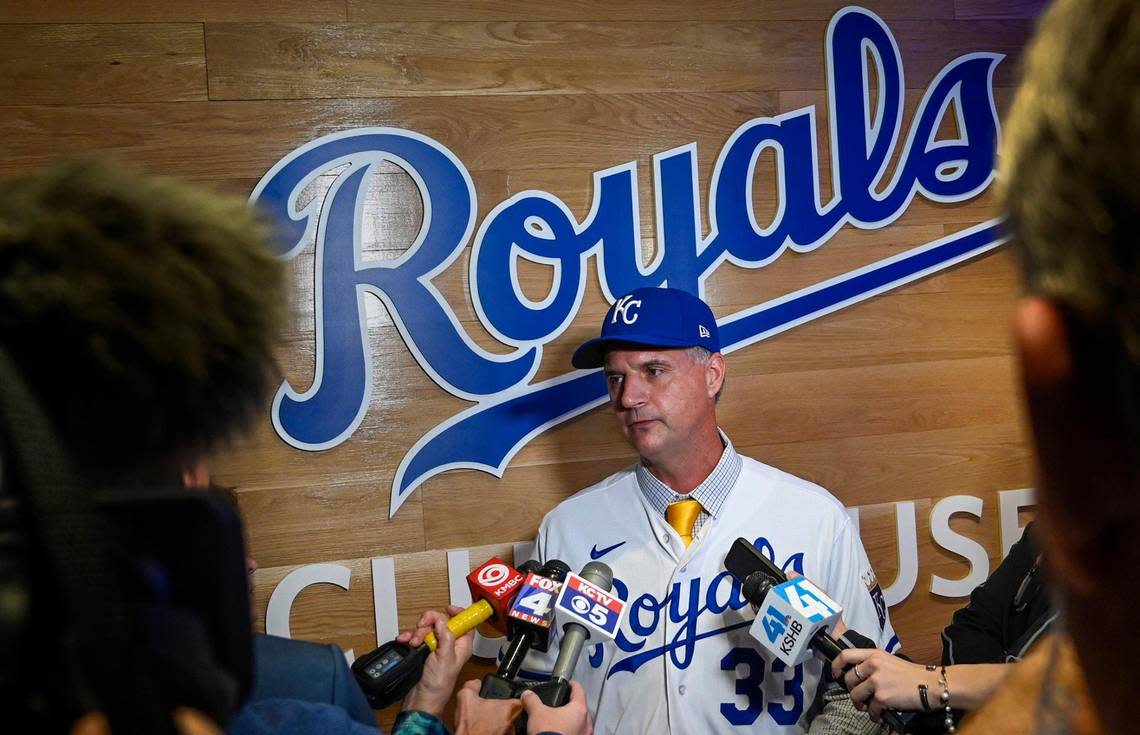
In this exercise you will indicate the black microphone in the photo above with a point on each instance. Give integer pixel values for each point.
(758, 575)
(529, 633)
(529, 621)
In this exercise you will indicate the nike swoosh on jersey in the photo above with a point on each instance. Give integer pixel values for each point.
(596, 553)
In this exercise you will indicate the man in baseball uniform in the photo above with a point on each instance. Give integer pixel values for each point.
(683, 660)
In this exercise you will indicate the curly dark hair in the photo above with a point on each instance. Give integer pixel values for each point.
(142, 312)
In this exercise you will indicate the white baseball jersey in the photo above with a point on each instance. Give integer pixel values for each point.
(684, 661)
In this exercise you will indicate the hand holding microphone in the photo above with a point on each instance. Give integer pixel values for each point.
(877, 681)
(475, 715)
(587, 610)
(572, 718)
(389, 672)
(441, 668)
(794, 617)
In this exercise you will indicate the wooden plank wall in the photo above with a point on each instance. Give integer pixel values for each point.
(907, 397)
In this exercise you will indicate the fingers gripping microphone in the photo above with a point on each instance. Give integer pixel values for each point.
(493, 586)
(388, 673)
(794, 616)
(529, 621)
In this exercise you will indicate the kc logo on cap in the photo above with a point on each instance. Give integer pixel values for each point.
(652, 317)
(622, 307)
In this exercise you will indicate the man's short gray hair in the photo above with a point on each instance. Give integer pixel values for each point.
(701, 355)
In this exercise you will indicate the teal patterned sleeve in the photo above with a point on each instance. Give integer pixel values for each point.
(414, 722)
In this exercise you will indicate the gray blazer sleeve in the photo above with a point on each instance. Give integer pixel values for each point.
(838, 716)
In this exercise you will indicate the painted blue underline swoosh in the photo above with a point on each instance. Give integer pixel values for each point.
(487, 435)
(596, 553)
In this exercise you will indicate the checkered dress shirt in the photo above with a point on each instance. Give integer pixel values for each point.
(711, 493)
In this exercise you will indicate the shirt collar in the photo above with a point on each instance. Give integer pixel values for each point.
(711, 493)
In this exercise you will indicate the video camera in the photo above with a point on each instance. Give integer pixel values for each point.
(130, 602)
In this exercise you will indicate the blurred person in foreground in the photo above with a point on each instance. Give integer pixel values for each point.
(137, 323)
(1071, 186)
(288, 668)
(1070, 183)
(137, 317)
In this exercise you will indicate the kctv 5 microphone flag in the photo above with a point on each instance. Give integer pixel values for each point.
(388, 673)
(587, 611)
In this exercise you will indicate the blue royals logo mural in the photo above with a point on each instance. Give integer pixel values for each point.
(509, 409)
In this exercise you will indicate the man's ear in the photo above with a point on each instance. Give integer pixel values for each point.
(1083, 472)
(1045, 361)
(196, 475)
(714, 374)
(1042, 341)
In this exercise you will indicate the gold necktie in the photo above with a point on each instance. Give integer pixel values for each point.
(682, 516)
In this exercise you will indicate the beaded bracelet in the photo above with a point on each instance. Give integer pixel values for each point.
(944, 698)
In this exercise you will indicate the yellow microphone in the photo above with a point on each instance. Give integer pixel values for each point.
(388, 673)
(493, 586)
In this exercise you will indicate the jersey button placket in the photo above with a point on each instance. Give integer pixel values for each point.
(671, 676)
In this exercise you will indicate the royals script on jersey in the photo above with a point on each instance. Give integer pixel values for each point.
(683, 660)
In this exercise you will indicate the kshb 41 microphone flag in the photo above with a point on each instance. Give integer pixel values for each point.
(792, 613)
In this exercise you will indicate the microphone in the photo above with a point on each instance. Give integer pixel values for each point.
(492, 586)
(797, 618)
(531, 615)
(815, 611)
(388, 673)
(529, 621)
(589, 611)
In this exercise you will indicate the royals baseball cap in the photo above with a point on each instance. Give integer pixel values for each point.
(652, 317)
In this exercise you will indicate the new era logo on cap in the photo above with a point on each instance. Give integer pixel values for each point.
(652, 317)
